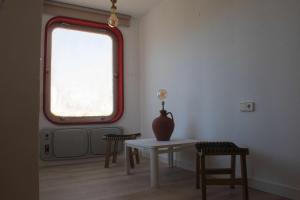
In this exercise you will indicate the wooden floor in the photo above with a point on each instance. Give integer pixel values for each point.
(90, 181)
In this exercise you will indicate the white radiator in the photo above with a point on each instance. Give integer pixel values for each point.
(74, 143)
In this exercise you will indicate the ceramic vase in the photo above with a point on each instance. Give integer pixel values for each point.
(163, 126)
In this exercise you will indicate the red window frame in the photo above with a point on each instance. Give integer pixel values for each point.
(117, 37)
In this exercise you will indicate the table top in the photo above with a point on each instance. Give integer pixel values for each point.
(153, 143)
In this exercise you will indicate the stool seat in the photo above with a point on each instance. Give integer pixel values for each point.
(220, 148)
(216, 149)
(121, 137)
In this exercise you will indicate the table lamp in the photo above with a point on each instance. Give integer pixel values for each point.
(163, 126)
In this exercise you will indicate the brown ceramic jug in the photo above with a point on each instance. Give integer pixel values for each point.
(163, 126)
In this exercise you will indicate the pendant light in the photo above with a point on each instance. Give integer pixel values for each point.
(113, 20)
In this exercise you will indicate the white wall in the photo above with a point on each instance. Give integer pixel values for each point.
(211, 55)
(20, 25)
(130, 121)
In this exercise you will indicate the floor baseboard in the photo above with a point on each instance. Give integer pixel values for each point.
(275, 188)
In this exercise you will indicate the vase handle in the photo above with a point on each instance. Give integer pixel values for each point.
(171, 115)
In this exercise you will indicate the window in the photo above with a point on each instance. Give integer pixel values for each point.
(83, 76)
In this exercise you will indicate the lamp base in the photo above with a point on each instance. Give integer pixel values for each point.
(163, 126)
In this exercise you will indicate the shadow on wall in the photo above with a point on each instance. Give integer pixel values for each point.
(1, 3)
(276, 165)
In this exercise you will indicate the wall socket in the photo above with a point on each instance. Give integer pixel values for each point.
(247, 106)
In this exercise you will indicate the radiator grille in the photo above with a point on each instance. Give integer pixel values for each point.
(74, 143)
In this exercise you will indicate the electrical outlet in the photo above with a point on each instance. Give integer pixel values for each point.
(247, 106)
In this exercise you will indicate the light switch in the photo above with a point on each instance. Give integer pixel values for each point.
(247, 106)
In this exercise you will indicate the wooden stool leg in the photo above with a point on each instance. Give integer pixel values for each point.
(131, 157)
(197, 171)
(137, 157)
(232, 175)
(107, 153)
(122, 144)
(244, 177)
(203, 177)
(115, 153)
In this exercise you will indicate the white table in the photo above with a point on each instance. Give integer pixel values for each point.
(155, 148)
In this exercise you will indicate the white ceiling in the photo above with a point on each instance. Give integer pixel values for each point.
(135, 8)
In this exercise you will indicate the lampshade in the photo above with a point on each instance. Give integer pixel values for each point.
(162, 94)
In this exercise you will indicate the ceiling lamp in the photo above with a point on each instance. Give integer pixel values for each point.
(113, 20)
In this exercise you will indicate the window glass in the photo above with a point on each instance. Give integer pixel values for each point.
(81, 73)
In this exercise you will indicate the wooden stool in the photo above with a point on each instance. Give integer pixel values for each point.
(114, 139)
(221, 148)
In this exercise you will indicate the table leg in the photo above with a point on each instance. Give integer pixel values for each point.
(154, 169)
(171, 157)
(126, 159)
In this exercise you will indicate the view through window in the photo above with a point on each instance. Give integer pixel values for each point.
(81, 73)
